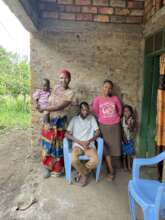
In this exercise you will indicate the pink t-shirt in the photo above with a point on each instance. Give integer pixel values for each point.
(107, 109)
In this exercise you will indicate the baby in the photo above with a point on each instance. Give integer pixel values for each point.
(41, 98)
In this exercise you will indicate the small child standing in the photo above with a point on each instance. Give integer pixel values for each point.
(41, 98)
(128, 128)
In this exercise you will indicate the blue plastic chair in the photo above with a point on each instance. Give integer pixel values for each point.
(67, 159)
(149, 194)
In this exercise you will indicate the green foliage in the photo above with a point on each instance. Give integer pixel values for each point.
(14, 74)
(14, 90)
(14, 113)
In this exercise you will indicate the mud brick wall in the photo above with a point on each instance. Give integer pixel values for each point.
(105, 11)
(110, 52)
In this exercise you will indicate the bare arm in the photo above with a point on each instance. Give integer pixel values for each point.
(59, 107)
(72, 138)
(97, 134)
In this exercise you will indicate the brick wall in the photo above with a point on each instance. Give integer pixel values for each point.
(107, 11)
(151, 7)
(113, 53)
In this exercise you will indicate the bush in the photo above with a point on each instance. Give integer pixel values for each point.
(14, 112)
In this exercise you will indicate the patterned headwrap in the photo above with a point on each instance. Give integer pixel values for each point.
(66, 73)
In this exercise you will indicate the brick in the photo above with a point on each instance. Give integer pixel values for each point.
(137, 12)
(135, 4)
(118, 3)
(49, 14)
(72, 8)
(51, 6)
(122, 11)
(83, 2)
(48, 0)
(67, 16)
(105, 10)
(60, 8)
(118, 19)
(101, 2)
(84, 17)
(101, 18)
(134, 20)
(89, 9)
(65, 2)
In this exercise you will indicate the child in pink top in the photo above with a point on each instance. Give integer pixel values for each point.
(108, 110)
(41, 98)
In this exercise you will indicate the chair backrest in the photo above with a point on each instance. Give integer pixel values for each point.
(138, 162)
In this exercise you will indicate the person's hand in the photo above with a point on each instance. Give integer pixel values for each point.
(39, 109)
(84, 144)
(125, 141)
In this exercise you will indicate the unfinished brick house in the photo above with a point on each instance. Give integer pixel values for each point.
(120, 40)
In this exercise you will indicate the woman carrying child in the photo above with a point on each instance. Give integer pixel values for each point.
(53, 132)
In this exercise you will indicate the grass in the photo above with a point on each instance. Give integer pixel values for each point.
(14, 112)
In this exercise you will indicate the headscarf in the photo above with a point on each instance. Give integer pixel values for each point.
(66, 73)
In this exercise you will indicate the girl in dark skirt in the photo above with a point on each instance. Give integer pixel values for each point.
(108, 110)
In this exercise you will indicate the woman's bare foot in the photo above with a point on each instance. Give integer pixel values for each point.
(110, 177)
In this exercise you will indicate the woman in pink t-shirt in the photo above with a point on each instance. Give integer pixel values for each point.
(108, 111)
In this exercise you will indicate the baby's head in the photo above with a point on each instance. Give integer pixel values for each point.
(127, 111)
(45, 84)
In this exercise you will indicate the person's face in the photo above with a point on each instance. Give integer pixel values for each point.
(45, 86)
(84, 111)
(126, 112)
(64, 80)
(107, 89)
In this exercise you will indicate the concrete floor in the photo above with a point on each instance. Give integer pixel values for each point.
(58, 200)
(21, 182)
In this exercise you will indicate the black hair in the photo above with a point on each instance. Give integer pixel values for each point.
(108, 81)
(130, 109)
(83, 104)
(47, 81)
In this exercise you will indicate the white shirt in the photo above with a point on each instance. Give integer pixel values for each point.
(83, 129)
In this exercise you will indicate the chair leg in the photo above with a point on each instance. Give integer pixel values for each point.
(98, 171)
(149, 214)
(132, 206)
(68, 175)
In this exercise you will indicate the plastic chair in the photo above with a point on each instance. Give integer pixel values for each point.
(67, 159)
(149, 194)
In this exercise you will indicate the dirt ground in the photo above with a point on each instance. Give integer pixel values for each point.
(21, 183)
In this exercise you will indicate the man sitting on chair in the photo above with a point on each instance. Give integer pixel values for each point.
(83, 131)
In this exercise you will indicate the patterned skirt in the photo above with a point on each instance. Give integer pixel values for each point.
(52, 144)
